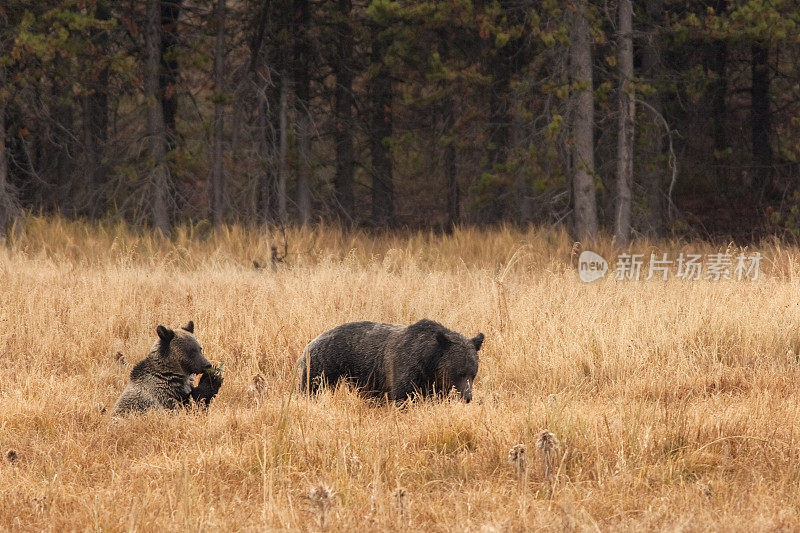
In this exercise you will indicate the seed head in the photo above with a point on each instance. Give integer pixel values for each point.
(321, 498)
(40, 503)
(547, 442)
(352, 461)
(517, 455)
(400, 503)
(576, 251)
(548, 447)
(321, 493)
(259, 385)
(516, 458)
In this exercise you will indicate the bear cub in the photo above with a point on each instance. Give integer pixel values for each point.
(392, 360)
(163, 379)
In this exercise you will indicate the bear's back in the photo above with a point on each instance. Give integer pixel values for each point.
(353, 351)
(154, 385)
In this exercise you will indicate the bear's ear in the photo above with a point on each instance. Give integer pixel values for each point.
(165, 335)
(477, 341)
(442, 339)
(189, 327)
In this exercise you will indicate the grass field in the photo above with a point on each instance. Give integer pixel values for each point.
(673, 405)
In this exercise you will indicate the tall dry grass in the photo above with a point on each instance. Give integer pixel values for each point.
(640, 405)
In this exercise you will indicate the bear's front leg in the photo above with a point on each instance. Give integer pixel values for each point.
(207, 388)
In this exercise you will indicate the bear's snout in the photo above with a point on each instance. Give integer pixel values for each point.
(464, 388)
(201, 364)
(466, 392)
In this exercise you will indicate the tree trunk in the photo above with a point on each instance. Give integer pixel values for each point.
(585, 201)
(521, 187)
(450, 169)
(627, 109)
(499, 123)
(8, 202)
(218, 174)
(283, 145)
(303, 127)
(653, 136)
(95, 120)
(267, 182)
(170, 11)
(343, 177)
(263, 189)
(302, 112)
(381, 98)
(719, 108)
(158, 185)
(762, 150)
(62, 149)
(264, 177)
(5, 211)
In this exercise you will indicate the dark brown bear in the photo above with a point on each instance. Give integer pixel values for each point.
(392, 360)
(163, 379)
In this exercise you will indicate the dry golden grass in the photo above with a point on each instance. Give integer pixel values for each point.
(672, 404)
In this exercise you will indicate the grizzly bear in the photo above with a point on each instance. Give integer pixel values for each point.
(392, 361)
(163, 379)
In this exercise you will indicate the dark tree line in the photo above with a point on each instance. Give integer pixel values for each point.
(646, 117)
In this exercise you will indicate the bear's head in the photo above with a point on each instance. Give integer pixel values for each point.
(181, 347)
(457, 362)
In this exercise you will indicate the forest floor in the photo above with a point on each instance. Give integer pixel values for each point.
(672, 404)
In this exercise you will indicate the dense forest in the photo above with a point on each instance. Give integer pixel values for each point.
(646, 118)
